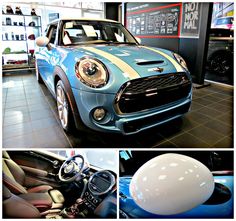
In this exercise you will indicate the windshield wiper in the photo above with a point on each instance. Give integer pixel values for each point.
(105, 42)
(117, 42)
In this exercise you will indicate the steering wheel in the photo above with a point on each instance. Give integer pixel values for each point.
(71, 169)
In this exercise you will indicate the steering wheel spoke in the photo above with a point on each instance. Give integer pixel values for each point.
(70, 169)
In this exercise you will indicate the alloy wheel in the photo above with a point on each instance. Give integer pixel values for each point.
(62, 106)
(220, 64)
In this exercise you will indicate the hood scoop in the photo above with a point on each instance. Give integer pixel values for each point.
(143, 63)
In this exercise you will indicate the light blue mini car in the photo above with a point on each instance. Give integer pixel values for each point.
(104, 79)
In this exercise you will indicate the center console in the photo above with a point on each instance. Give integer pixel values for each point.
(99, 185)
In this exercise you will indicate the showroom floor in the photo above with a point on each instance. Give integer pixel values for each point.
(30, 121)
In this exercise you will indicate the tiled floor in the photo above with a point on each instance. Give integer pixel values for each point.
(30, 121)
(27, 118)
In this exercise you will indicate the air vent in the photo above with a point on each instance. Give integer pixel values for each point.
(123, 196)
(101, 182)
(149, 62)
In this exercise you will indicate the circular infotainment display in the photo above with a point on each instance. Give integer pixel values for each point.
(101, 182)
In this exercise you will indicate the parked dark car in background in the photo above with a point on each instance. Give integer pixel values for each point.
(220, 54)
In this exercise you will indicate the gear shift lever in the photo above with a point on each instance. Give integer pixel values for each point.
(73, 210)
(79, 201)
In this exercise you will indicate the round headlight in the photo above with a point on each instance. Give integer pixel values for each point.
(180, 60)
(91, 72)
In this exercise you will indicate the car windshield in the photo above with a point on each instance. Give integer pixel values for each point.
(103, 159)
(224, 21)
(76, 32)
(131, 161)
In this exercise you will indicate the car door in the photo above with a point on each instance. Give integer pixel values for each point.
(40, 167)
(48, 57)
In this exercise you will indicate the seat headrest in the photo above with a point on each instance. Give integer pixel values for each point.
(5, 155)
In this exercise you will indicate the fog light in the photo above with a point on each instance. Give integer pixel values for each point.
(99, 114)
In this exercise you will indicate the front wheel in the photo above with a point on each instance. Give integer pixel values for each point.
(63, 107)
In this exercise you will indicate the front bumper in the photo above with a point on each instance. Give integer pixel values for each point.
(126, 124)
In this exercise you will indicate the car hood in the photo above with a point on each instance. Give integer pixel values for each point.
(145, 61)
(123, 62)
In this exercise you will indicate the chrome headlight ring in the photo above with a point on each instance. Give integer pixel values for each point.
(92, 72)
(180, 60)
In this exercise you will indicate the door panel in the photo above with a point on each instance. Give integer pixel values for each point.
(47, 57)
(46, 65)
(39, 168)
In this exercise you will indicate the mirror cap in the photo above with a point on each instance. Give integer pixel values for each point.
(42, 41)
(171, 183)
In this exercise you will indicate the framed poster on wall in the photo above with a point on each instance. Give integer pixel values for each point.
(154, 20)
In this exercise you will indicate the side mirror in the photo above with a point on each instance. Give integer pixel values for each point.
(138, 40)
(171, 184)
(42, 41)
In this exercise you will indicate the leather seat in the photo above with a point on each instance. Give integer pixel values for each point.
(16, 207)
(14, 178)
(43, 197)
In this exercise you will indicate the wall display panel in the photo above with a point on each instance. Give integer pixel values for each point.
(154, 20)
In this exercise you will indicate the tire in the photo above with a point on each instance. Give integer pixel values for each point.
(63, 108)
(38, 76)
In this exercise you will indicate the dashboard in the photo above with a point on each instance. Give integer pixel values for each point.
(98, 198)
(99, 186)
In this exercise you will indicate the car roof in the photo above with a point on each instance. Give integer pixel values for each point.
(83, 19)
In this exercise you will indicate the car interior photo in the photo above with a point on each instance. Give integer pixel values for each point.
(219, 163)
(42, 184)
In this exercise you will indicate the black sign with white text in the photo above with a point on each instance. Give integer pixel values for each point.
(190, 19)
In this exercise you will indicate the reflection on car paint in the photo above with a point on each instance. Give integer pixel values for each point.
(224, 210)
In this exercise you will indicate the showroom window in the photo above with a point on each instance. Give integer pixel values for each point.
(50, 11)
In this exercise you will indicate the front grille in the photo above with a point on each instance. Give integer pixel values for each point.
(150, 92)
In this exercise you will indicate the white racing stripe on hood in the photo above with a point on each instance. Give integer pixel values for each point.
(127, 70)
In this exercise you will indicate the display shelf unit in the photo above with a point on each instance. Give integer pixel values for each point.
(18, 41)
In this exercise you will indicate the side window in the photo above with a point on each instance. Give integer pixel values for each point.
(51, 34)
